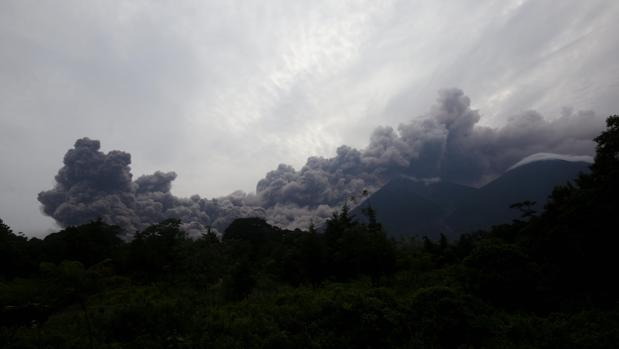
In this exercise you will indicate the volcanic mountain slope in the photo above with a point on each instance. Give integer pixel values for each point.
(410, 207)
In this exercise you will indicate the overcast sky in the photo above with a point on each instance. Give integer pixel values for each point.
(223, 91)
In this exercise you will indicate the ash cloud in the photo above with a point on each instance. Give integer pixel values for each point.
(92, 185)
(447, 143)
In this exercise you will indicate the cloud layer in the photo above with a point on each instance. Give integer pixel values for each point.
(447, 143)
(221, 91)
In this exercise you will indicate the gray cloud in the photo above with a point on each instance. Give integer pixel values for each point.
(445, 144)
(157, 182)
(222, 91)
(93, 184)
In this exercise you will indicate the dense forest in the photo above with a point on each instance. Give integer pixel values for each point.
(546, 280)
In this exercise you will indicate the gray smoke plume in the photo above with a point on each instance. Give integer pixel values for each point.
(446, 143)
(94, 185)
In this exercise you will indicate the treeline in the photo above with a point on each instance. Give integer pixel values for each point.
(546, 280)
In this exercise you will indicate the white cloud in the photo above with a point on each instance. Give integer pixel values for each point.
(551, 156)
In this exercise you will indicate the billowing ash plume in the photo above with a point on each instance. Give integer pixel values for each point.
(446, 143)
(94, 185)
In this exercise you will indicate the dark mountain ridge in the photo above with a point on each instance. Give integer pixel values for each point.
(410, 207)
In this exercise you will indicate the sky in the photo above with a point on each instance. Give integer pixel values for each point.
(221, 92)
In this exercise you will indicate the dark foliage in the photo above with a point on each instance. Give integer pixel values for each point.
(545, 280)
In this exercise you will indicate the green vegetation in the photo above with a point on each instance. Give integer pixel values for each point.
(544, 281)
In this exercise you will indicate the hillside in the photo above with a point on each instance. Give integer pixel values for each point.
(408, 207)
(543, 281)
